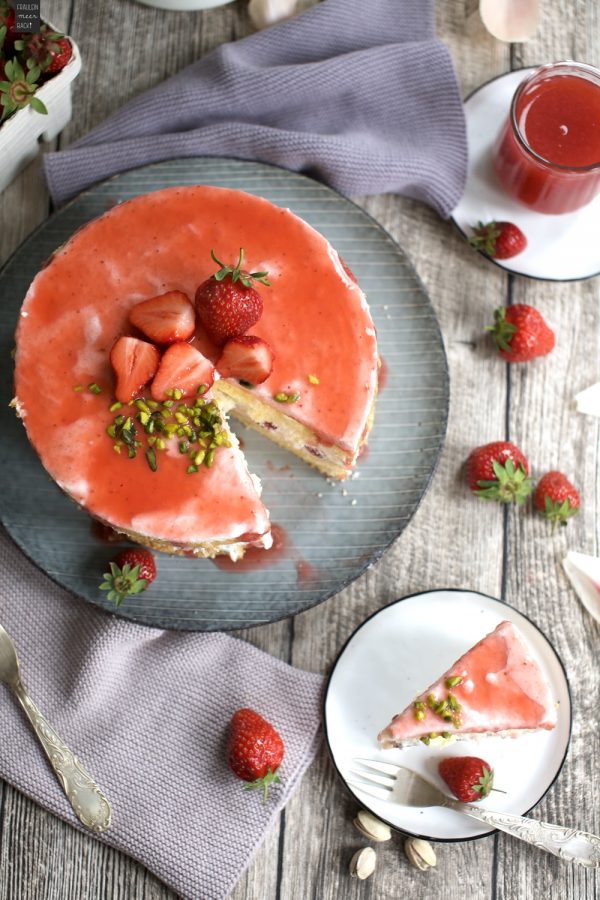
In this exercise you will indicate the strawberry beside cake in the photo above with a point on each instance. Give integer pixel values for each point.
(495, 688)
(155, 321)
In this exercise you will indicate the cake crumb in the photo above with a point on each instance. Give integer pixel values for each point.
(319, 495)
(344, 493)
(354, 502)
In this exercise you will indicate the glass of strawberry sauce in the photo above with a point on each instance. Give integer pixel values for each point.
(548, 152)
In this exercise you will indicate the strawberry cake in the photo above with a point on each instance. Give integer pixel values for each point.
(496, 688)
(157, 320)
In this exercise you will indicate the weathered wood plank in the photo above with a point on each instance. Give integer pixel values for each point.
(467, 545)
(553, 435)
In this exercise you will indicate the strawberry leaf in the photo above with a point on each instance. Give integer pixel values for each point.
(263, 783)
(38, 106)
(511, 485)
(502, 331)
(121, 583)
(485, 783)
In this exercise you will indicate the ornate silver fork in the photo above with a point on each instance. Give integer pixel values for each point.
(88, 802)
(403, 786)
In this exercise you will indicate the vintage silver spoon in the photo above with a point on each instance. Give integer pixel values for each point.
(89, 803)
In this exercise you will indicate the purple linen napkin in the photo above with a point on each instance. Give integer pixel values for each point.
(357, 94)
(146, 712)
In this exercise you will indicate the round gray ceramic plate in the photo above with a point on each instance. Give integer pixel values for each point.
(334, 530)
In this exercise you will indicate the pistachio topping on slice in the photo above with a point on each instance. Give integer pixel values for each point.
(282, 397)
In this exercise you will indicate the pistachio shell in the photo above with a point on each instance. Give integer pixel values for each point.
(362, 863)
(420, 853)
(372, 827)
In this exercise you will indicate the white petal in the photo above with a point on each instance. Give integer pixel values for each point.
(584, 574)
(588, 401)
(266, 12)
(510, 20)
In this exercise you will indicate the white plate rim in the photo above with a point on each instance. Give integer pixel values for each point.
(505, 264)
(327, 687)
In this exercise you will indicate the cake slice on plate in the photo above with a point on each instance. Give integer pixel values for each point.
(496, 688)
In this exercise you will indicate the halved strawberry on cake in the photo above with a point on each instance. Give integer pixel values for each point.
(495, 688)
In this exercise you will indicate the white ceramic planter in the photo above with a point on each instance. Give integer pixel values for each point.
(20, 135)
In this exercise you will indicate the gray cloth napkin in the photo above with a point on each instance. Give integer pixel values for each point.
(146, 712)
(357, 94)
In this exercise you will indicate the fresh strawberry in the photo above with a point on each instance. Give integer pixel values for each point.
(468, 777)
(61, 56)
(182, 369)
(7, 20)
(520, 333)
(556, 498)
(248, 358)
(254, 750)
(49, 50)
(498, 471)
(226, 303)
(165, 319)
(131, 571)
(500, 240)
(134, 363)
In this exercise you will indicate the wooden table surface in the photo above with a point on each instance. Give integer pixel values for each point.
(453, 540)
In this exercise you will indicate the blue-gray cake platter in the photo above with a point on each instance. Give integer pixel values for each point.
(333, 531)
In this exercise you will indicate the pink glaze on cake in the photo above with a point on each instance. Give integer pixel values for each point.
(502, 690)
(315, 318)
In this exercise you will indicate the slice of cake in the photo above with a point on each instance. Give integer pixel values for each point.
(149, 452)
(496, 688)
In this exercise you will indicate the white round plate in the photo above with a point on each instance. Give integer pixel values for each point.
(396, 654)
(560, 248)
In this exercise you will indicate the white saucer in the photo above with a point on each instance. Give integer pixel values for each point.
(391, 658)
(560, 248)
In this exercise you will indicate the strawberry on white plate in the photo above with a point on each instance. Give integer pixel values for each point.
(248, 358)
(134, 363)
(165, 319)
(184, 369)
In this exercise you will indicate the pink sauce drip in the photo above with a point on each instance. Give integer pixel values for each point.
(307, 574)
(259, 558)
(383, 374)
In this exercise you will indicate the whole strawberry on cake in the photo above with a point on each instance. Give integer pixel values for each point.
(157, 320)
